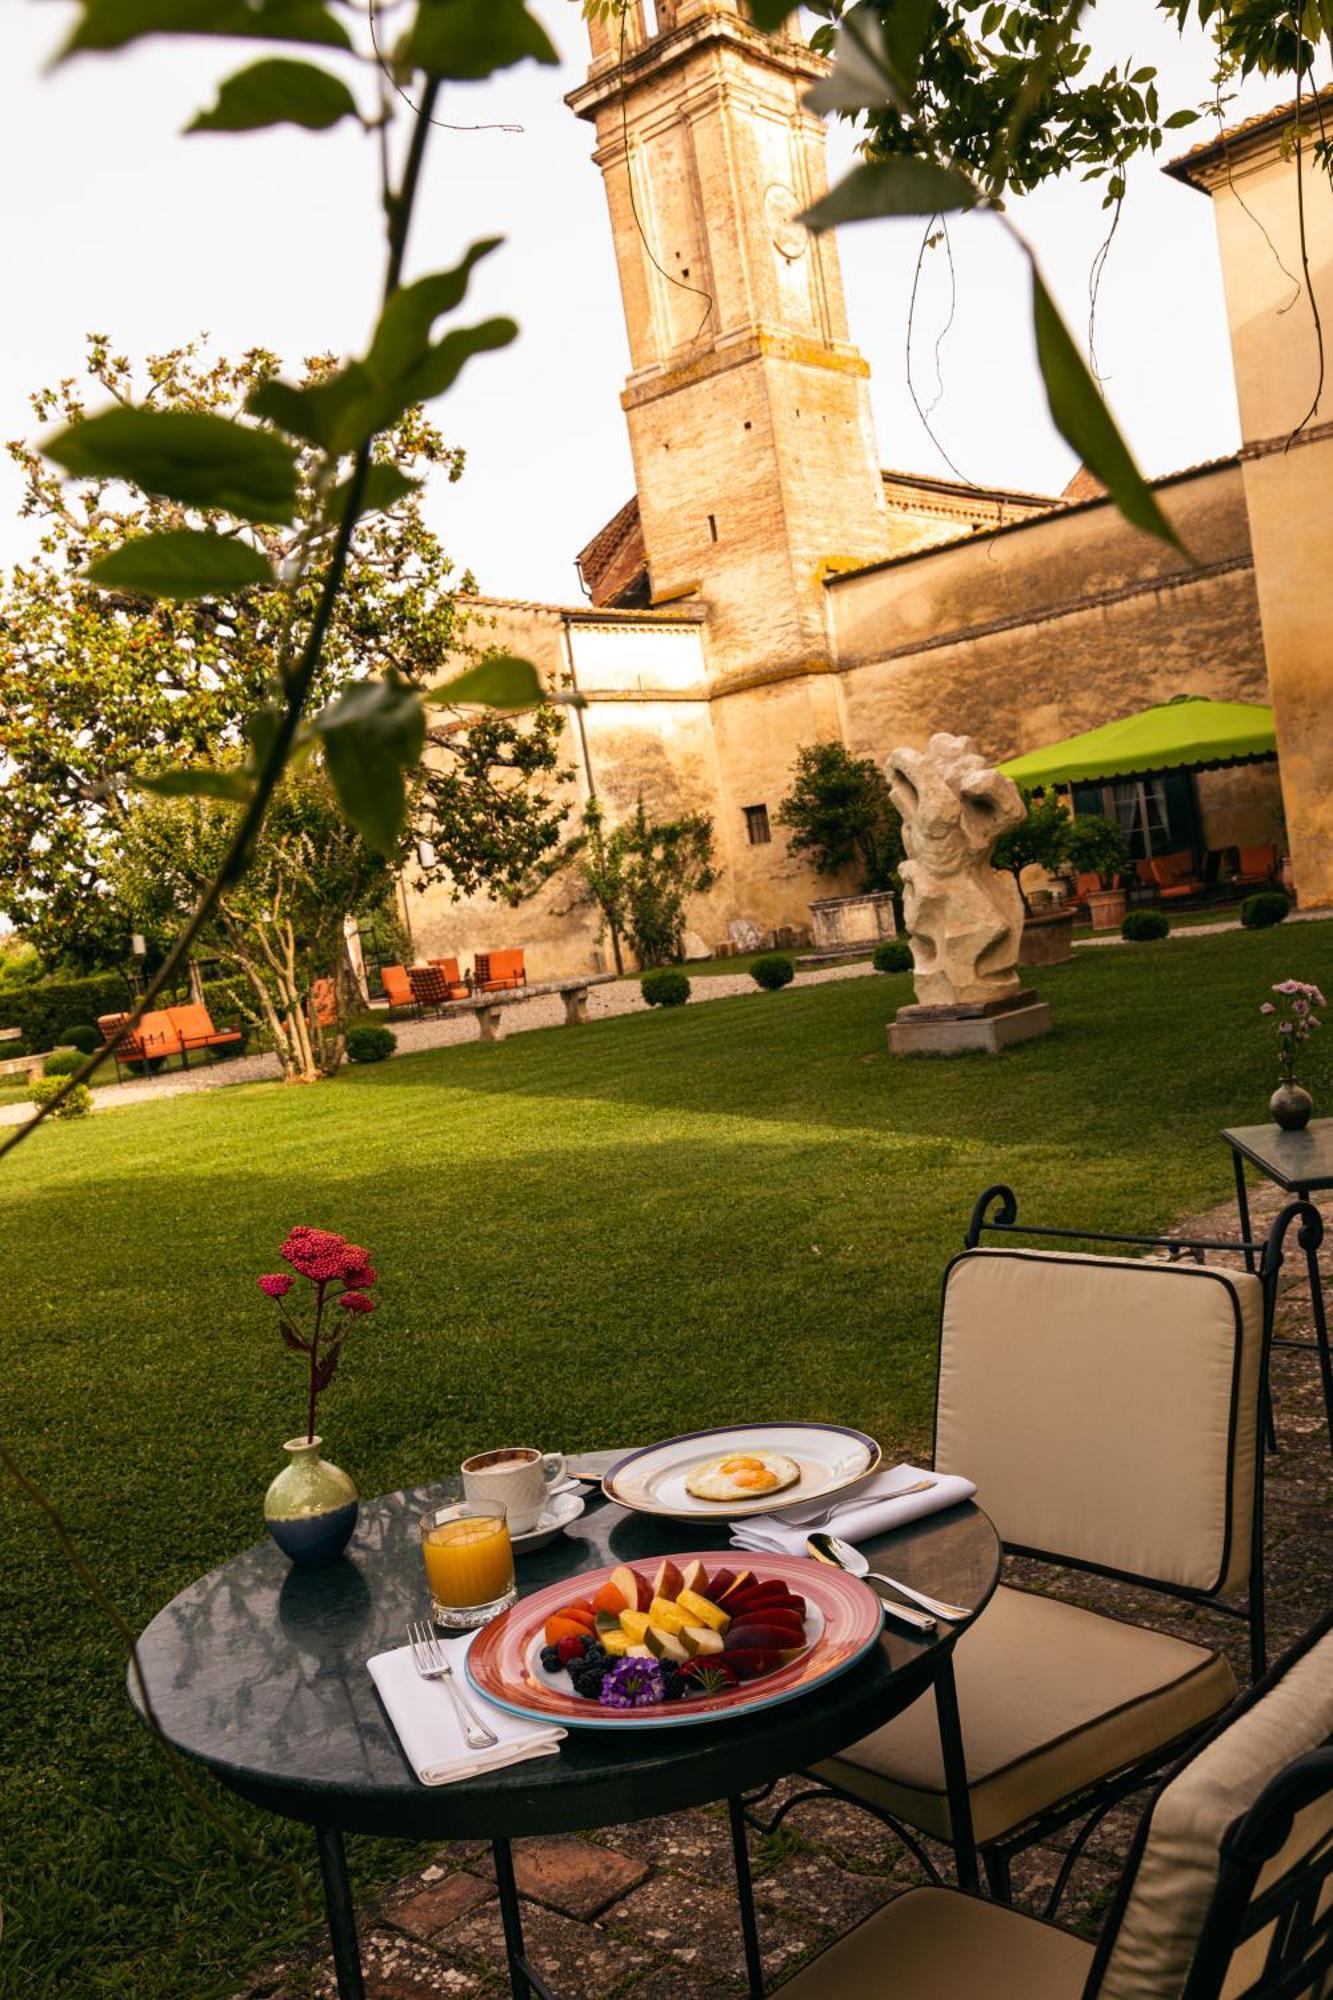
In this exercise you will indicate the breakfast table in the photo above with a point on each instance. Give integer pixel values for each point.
(258, 1671)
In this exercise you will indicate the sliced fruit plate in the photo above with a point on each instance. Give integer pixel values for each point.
(692, 1638)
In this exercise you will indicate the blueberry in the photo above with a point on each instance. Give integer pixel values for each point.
(590, 1645)
(550, 1659)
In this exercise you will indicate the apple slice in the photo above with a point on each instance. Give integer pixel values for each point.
(695, 1577)
(665, 1645)
(719, 1584)
(742, 1578)
(635, 1590)
(668, 1582)
(703, 1639)
(639, 1652)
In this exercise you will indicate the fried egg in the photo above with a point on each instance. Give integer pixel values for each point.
(742, 1476)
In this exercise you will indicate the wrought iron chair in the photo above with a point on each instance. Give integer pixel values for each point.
(1226, 1890)
(1108, 1409)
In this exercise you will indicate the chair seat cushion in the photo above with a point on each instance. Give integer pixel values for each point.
(935, 1944)
(1051, 1698)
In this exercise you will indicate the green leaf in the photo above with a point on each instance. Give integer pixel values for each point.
(502, 681)
(1179, 118)
(372, 733)
(114, 24)
(864, 76)
(278, 92)
(318, 411)
(385, 485)
(470, 39)
(440, 367)
(199, 783)
(1085, 423)
(185, 455)
(181, 563)
(404, 329)
(900, 186)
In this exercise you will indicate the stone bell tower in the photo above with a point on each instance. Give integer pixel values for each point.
(747, 404)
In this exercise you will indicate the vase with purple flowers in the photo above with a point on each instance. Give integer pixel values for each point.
(311, 1507)
(1296, 1019)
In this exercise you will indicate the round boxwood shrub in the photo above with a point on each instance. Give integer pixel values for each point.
(79, 1037)
(772, 971)
(894, 955)
(370, 1043)
(1269, 907)
(77, 1105)
(1140, 926)
(666, 987)
(63, 1062)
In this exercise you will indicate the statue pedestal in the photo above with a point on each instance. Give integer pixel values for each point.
(988, 1025)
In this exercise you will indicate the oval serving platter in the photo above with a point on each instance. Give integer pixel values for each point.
(652, 1479)
(843, 1622)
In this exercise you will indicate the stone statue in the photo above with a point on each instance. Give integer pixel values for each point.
(965, 918)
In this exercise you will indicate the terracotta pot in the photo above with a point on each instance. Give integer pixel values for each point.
(1107, 909)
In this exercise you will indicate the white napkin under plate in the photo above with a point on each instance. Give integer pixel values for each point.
(858, 1514)
(427, 1724)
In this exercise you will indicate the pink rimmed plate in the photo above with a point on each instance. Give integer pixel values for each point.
(843, 1619)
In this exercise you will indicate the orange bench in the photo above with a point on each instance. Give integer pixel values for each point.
(194, 1030)
(496, 970)
(150, 1046)
(1174, 876)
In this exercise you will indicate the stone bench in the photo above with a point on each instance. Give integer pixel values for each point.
(488, 1007)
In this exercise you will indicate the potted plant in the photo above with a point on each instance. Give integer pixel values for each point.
(1096, 846)
(1041, 840)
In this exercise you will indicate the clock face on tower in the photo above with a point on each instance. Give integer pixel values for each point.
(790, 236)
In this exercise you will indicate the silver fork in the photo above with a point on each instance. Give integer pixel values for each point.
(428, 1657)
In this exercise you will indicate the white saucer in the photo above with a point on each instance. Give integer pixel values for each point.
(560, 1510)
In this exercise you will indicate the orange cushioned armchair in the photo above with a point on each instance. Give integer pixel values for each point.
(1257, 866)
(397, 986)
(453, 978)
(194, 1029)
(496, 970)
(1175, 877)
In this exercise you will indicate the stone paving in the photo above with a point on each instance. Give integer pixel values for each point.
(647, 1912)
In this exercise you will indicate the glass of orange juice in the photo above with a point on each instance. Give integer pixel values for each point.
(469, 1563)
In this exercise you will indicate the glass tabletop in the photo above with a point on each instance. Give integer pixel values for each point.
(258, 1670)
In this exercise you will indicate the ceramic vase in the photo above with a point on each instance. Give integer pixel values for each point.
(310, 1509)
(1291, 1105)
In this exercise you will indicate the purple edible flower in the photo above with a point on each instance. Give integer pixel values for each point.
(633, 1684)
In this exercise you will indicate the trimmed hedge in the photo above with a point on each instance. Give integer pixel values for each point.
(772, 971)
(667, 987)
(63, 1062)
(79, 1037)
(894, 955)
(1140, 926)
(1261, 912)
(42, 1011)
(370, 1044)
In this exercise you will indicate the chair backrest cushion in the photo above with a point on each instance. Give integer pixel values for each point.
(449, 968)
(1154, 1934)
(193, 1023)
(1258, 860)
(505, 964)
(1106, 1407)
(428, 984)
(107, 1024)
(157, 1032)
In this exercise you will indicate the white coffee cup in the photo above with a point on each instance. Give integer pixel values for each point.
(518, 1476)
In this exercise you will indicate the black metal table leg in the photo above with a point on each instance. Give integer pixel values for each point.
(1243, 1206)
(340, 1912)
(955, 1779)
(754, 1965)
(511, 1918)
(1320, 1329)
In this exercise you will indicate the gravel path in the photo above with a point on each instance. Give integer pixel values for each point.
(1208, 930)
(621, 997)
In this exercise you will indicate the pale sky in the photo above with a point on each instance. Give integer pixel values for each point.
(114, 223)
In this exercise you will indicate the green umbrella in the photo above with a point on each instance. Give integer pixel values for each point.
(1189, 733)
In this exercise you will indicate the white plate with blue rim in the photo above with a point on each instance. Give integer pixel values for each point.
(654, 1479)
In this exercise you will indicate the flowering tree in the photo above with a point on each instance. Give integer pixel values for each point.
(340, 1275)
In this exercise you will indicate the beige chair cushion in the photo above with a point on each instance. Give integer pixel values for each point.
(1051, 1697)
(1091, 1400)
(935, 1944)
(1174, 1881)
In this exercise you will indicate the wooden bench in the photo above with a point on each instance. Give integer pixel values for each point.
(488, 1007)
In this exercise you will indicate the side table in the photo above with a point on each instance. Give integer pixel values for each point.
(1301, 1164)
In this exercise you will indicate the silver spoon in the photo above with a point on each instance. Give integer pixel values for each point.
(833, 1550)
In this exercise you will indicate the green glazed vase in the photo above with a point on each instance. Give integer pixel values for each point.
(310, 1509)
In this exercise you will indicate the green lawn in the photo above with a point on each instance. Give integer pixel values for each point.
(734, 1210)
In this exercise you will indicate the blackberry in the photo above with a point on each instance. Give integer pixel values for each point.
(588, 1682)
(595, 1656)
(590, 1646)
(673, 1687)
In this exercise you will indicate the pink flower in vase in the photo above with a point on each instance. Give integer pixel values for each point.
(276, 1284)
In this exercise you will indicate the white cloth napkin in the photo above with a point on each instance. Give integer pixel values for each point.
(858, 1514)
(428, 1728)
